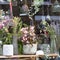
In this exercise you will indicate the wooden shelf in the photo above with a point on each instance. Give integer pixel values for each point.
(26, 57)
(22, 57)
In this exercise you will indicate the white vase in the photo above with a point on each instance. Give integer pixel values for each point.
(8, 49)
(29, 48)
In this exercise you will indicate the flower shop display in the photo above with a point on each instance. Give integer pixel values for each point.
(28, 39)
(25, 37)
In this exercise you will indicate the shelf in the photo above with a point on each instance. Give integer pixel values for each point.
(24, 14)
(32, 57)
(4, 2)
(39, 17)
(46, 3)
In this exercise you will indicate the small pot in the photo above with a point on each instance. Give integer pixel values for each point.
(8, 49)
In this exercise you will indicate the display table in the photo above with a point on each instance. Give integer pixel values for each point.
(25, 57)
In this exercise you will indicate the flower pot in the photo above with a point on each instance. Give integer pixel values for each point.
(29, 48)
(45, 48)
(8, 49)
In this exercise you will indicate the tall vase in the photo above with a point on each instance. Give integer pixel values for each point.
(15, 44)
(53, 46)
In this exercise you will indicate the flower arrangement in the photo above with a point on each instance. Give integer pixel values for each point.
(8, 31)
(17, 25)
(47, 37)
(5, 36)
(46, 32)
(28, 35)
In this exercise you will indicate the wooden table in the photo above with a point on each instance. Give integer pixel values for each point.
(31, 57)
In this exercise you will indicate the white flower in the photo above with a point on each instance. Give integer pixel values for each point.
(25, 32)
(31, 27)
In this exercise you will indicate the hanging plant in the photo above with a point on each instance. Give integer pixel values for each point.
(34, 9)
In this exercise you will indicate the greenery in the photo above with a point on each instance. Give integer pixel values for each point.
(35, 7)
(17, 25)
(7, 33)
(5, 36)
(47, 32)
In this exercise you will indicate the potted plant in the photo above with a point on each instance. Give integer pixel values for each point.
(28, 39)
(6, 38)
(48, 37)
(7, 42)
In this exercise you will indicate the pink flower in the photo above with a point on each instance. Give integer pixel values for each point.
(24, 39)
(28, 34)
(32, 27)
(1, 25)
(24, 30)
(5, 22)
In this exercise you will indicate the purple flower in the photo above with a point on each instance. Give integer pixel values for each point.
(5, 22)
(1, 26)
